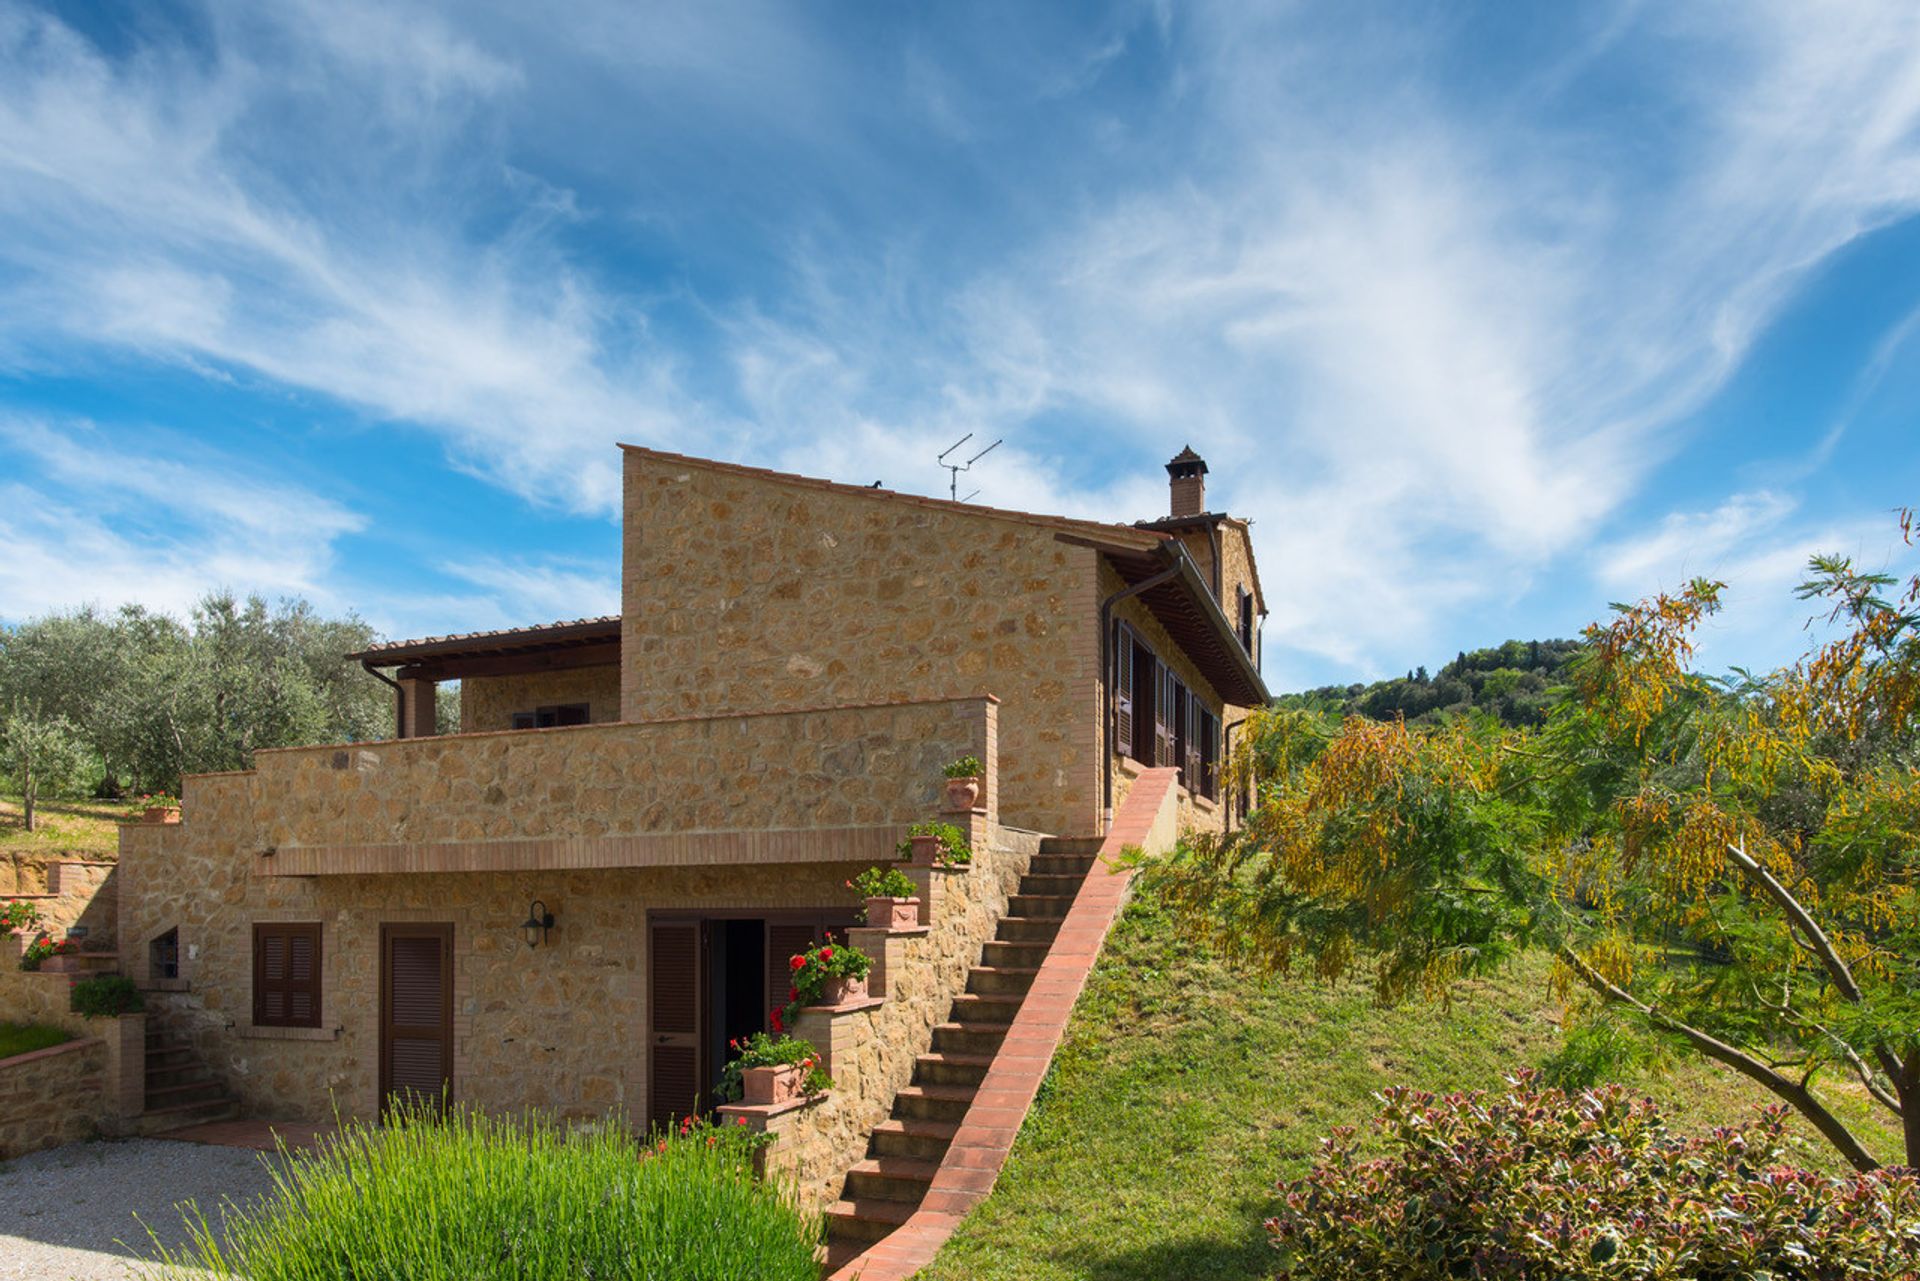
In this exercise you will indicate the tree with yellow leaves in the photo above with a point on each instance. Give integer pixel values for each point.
(1735, 861)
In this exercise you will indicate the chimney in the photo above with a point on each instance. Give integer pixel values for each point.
(1189, 472)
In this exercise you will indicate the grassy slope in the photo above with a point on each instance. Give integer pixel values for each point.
(22, 1038)
(1184, 1090)
(66, 827)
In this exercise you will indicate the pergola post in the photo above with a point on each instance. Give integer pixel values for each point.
(417, 710)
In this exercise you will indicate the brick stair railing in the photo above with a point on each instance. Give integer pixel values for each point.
(181, 1090)
(906, 1150)
(951, 1131)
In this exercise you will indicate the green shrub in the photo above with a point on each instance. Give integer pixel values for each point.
(105, 996)
(1537, 1183)
(473, 1197)
(1596, 1050)
(25, 1038)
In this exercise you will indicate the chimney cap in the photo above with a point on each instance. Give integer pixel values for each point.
(1187, 463)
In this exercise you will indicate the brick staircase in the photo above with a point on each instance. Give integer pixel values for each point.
(181, 1090)
(904, 1153)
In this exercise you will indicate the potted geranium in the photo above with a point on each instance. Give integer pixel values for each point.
(159, 807)
(43, 947)
(931, 843)
(772, 1069)
(18, 915)
(892, 899)
(963, 783)
(830, 974)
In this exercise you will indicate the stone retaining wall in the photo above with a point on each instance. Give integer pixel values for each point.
(51, 1096)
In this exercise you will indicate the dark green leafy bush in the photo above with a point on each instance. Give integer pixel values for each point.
(106, 996)
(1535, 1183)
(473, 1197)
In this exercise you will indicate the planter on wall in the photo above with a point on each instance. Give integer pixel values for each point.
(778, 1084)
(893, 913)
(161, 814)
(926, 850)
(963, 793)
(839, 991)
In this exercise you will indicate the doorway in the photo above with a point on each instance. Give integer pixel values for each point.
(416, 1015)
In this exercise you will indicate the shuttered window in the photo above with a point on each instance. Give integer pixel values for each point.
(1209, 786)
(286, 975)
(1122, 688)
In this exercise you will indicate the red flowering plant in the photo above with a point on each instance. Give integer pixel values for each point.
(43, 947)
(777, 1050)
(811, 970)
(735, 1139)
(1536, 1183)
(18, 915)
(159, 801)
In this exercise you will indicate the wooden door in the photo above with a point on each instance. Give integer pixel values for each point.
(674, 1008)
(416, 1014)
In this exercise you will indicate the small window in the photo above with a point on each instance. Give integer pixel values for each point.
(1246, 618)
(286, 975)
(163, 956)
(550, 717)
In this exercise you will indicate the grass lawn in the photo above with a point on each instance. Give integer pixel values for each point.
(66, 827)
(24, 1038)
(1184, 1090)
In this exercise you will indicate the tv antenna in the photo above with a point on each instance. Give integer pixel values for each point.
(954, 469)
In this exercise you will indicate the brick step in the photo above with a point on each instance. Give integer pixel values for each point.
(1027, 929)
(174, 1054)
(951, 1069)
(947, 1103)
(974, 1007)
(178, 1116)
(179, 1074)
(891, 1178)
(912, 1137)
(1038, 884)
(184, 1092)
(999, 952)
(1074, 865)
(866, 1218)
(968, 1038)
(1039, 906)
(1086, 846)
(1001, 980)
(839, 1252)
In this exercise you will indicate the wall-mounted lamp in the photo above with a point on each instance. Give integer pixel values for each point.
(539, 921)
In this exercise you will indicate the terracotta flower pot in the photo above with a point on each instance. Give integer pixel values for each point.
(839, 991)
(161, 814)
(778, 1084)
(893, 913)
(963, 793)
(926, 850)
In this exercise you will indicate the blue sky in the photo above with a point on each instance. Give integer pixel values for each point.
(1487, 316)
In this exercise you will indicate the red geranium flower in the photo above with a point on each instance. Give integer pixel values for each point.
(826, 954)
(797, 962)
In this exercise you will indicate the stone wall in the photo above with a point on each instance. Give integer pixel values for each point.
(489, 702)
(871, 1053)
(36, 996)
(70, 893)
(749, 591)
(51, 1096)
(873, 767)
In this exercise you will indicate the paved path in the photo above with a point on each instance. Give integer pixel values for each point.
(62, 1211)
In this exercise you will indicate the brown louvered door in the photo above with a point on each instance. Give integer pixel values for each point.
(416, 1014)
(673, 1011)
(1122, 689)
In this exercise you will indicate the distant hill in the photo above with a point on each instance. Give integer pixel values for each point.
(1509, 681)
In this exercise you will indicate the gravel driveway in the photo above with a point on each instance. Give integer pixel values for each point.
(62, 1210)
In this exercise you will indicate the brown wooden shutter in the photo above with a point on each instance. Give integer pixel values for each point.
(1162, 715)
(1209, 754)
(286, 974)
(416, 1014)
(673, 1011)
(1122, 689)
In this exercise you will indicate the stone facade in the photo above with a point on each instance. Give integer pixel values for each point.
(744, 591)
(51, 1096)
(489, 702)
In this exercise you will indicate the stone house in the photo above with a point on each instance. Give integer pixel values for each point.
(577, 900)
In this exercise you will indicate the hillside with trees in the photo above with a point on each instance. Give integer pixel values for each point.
(97, 703)
(1510, 682)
